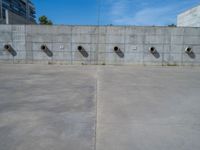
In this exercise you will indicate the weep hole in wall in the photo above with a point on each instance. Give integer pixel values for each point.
(10, 49)
(46, 50)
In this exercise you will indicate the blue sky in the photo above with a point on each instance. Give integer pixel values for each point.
(116, 12)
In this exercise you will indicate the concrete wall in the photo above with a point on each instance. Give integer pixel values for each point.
(99, 43)
(190, 18)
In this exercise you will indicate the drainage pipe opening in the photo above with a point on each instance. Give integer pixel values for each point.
(116, 48)
(7, 47)
(152, 50)
(44, 47)
(188, 50)
(80, 48)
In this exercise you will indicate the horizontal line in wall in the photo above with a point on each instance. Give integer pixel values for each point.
(135, 44)
(101, 51)
(102, 34)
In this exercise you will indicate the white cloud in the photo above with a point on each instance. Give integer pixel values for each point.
(125, 12)
(154, 16)
(118, 8)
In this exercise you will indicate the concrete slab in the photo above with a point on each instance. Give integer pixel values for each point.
(99, 107)
(47, 108)
(148, 108)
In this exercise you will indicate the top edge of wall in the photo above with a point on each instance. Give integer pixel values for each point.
(99, 26)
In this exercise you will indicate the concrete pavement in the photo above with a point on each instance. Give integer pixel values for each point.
(44, 107)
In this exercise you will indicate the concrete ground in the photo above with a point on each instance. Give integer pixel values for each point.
(99, 108)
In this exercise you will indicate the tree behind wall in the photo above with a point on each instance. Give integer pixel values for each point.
(171, 25)
(43, 20)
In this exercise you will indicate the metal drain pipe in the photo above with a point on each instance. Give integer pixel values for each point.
(152, 50)
(188, 50)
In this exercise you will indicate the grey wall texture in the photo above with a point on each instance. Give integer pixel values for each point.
(96, 45)
(190, 18)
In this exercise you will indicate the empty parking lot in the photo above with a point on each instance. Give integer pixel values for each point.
(49, 107)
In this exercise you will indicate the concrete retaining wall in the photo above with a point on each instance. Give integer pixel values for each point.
(98, 43)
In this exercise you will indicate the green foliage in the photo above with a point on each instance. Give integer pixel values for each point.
(43, 20)
(172, 25)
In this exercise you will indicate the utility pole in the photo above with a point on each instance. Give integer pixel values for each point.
(98, 26)
(99, 12)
